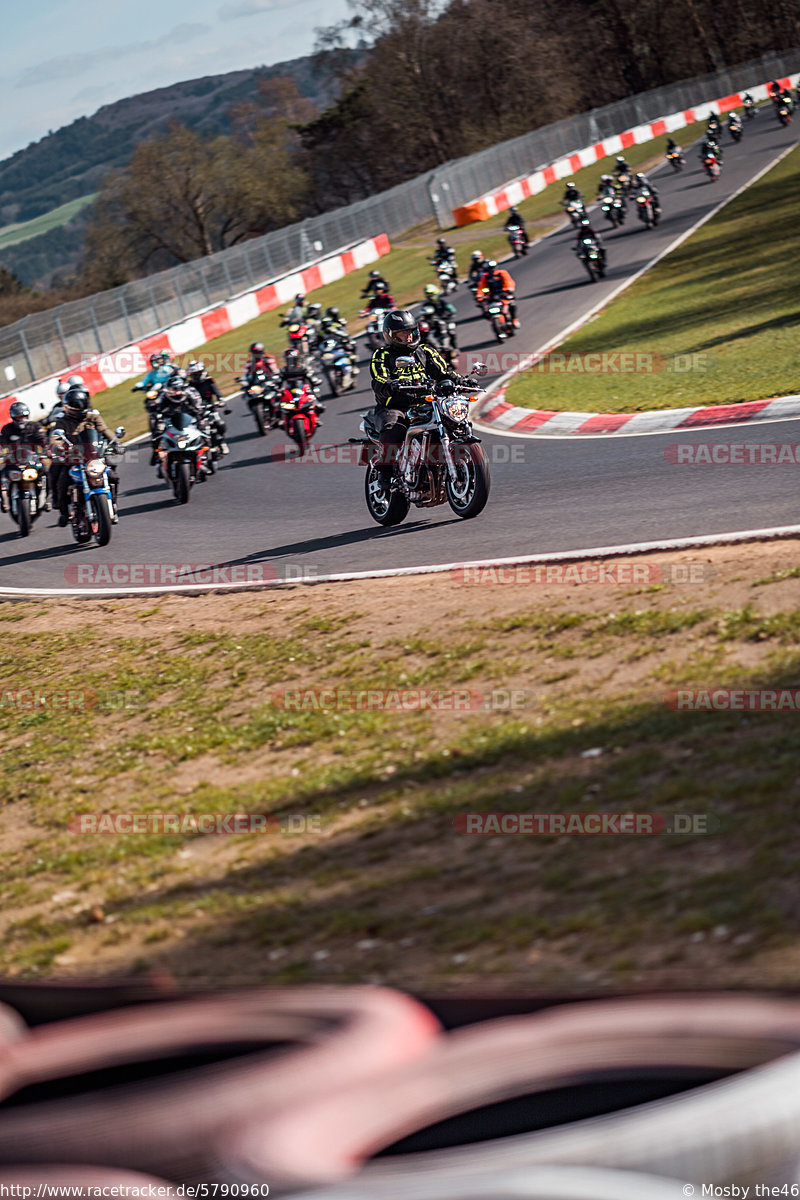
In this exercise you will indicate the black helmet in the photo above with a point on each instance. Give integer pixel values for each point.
(300, 298)
(332, 312)
(19, 412)
(314, 310)
(257, 348)
(374, 274)
(176, 386)
(514, 211)
(77, 398)
(400, 329)
(441, 242)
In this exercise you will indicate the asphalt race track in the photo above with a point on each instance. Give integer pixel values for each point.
(290, 519)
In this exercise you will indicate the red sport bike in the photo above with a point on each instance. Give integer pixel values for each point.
(712, 166)
(299, 407)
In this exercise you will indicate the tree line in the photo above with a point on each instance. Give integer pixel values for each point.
(418, 82)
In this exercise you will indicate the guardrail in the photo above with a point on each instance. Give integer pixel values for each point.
(41, 343)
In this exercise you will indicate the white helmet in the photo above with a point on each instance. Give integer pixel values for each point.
(76, 381)
(61, 388)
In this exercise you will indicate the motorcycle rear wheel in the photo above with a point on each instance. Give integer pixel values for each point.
(470, 494)
(386, 509)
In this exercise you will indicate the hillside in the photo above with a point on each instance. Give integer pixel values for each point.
(72, 161)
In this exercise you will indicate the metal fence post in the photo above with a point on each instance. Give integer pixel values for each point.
(23, 341)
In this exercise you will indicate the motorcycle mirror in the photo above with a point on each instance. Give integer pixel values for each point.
(406, 360)
(119, 431)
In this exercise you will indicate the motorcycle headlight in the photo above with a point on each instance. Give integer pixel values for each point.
(15, 474)
(256, 389)
(95, 467)
(181, 443)
(30, 473)
(152, 394)
(287, 405)
(457, 410)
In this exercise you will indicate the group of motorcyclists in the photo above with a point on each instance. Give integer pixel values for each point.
(70, 417)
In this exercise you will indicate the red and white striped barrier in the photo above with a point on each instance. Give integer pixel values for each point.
(491, 203)
(127, 362)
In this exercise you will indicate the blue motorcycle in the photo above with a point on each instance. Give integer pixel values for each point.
(91, 500)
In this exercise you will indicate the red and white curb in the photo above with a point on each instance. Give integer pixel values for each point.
(495, 415)
(503, 417)
(491, 203)
(106, 370)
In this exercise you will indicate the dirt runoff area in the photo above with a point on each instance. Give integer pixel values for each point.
(572, 777)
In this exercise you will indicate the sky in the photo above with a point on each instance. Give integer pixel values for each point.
(63, 59)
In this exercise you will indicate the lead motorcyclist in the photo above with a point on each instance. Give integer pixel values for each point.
(497, 284)
(258, 360)
(515, 221)
(571, 194)
(79, 416)
(19, 437)
(392, 400)
(297, 313)
(444, 254)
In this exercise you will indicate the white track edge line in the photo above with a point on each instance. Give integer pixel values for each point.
(595, 552)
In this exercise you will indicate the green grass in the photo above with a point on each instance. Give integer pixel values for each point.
(718, 317)
(406, 269)
(206, 736)
(10, 235)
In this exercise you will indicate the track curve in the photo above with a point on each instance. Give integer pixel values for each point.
(268, 512)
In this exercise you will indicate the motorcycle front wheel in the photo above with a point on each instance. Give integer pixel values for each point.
(299, 434)
(261, 423)
(469, 494)
(385, 507)
(24, 521)
(101, 519)
(182, 483)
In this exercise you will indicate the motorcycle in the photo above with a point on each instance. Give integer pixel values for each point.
(438, 333)
(495, 309)
(184, 451)
(23, 482)
(676, 160)
(712, 166)
(517, 241)
(90, 502)
(592, 258)
(784, 115)
(749, 109)
(614, 209)
(735, 130)
(374, 330)
(337, 365)
(625, 179)
(646, 209)
(260, 395)
(299, 338)
(576, 211)
(439, 461)
(299, 408)
(447, 273)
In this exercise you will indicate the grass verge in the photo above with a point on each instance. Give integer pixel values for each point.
(716, 320)
(385, 889)
(10, 235)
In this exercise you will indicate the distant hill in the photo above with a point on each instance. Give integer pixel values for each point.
(72, 161)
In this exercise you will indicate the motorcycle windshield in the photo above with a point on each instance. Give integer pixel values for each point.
(182, 420)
